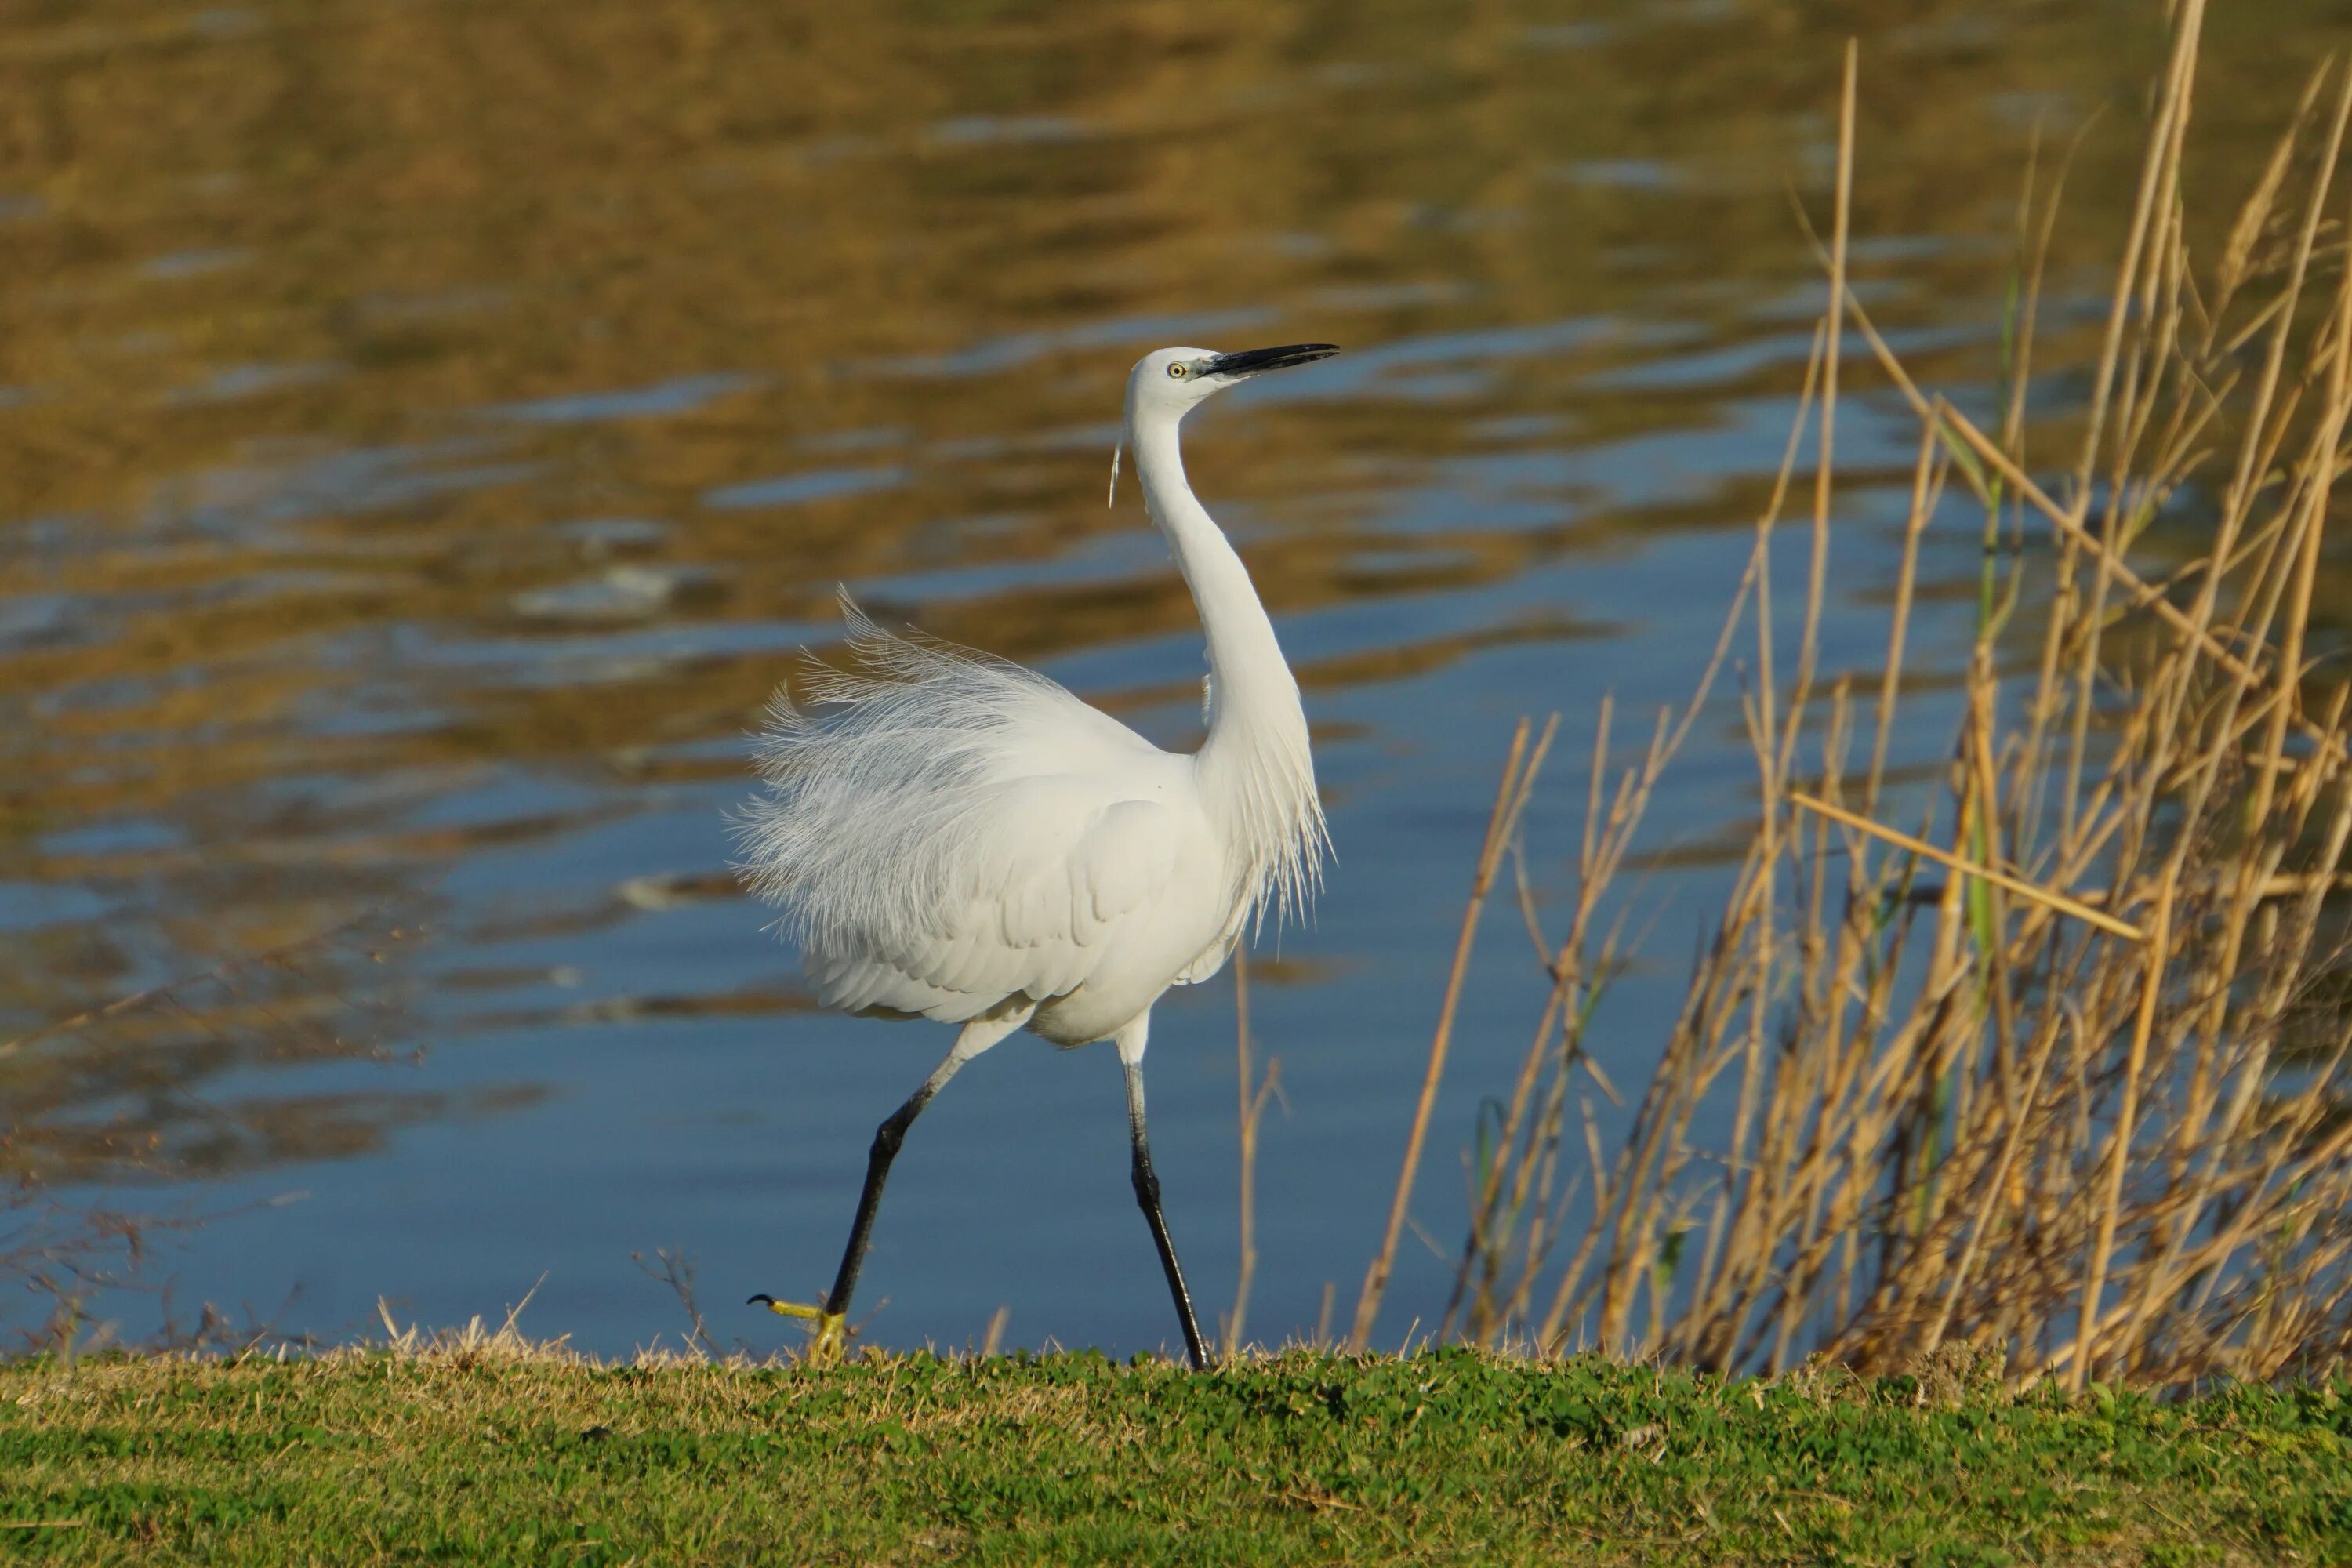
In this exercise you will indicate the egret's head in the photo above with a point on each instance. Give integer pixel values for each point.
(1170, 381)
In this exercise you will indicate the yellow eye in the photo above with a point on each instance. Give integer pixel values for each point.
(1177, 372)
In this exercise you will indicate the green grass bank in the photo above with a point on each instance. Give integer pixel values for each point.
(491, 1455)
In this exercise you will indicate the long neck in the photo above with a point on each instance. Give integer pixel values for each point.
(1254, 767)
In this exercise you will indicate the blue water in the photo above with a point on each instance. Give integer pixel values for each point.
(412, 508)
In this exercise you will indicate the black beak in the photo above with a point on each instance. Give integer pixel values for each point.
(1251, 361)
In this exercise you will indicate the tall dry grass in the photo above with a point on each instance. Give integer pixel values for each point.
(2048, 1059)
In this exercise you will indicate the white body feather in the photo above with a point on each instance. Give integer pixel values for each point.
(961, 839)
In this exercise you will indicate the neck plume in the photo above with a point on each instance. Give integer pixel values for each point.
(1254, 767)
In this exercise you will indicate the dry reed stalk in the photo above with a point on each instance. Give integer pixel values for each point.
(2119, 1143)
(1253, 1092)
(1515, 1185)
(1999, 1110)
(2019, 885)
(1776, 738)
(1519, 769)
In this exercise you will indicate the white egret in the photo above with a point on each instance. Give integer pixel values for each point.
(959, 838)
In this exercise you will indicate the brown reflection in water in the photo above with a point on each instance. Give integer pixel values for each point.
(122, 1093)
(362, 366)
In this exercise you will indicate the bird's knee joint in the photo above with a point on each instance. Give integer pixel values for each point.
(1147, 1187)
(888, 1136)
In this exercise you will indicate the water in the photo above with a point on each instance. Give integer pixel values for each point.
(428, 432)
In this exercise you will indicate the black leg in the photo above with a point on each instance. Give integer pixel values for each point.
(886, 1140)
(831, 1315)
(1146, 1193)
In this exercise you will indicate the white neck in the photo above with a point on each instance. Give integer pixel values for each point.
(1254, 767)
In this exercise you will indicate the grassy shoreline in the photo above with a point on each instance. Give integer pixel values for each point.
(488, 1453)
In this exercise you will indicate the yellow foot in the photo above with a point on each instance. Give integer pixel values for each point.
(828, 1331)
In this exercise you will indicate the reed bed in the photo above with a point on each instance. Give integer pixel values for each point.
(2039, 1063)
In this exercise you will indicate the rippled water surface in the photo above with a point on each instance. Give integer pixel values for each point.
(428, 431)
